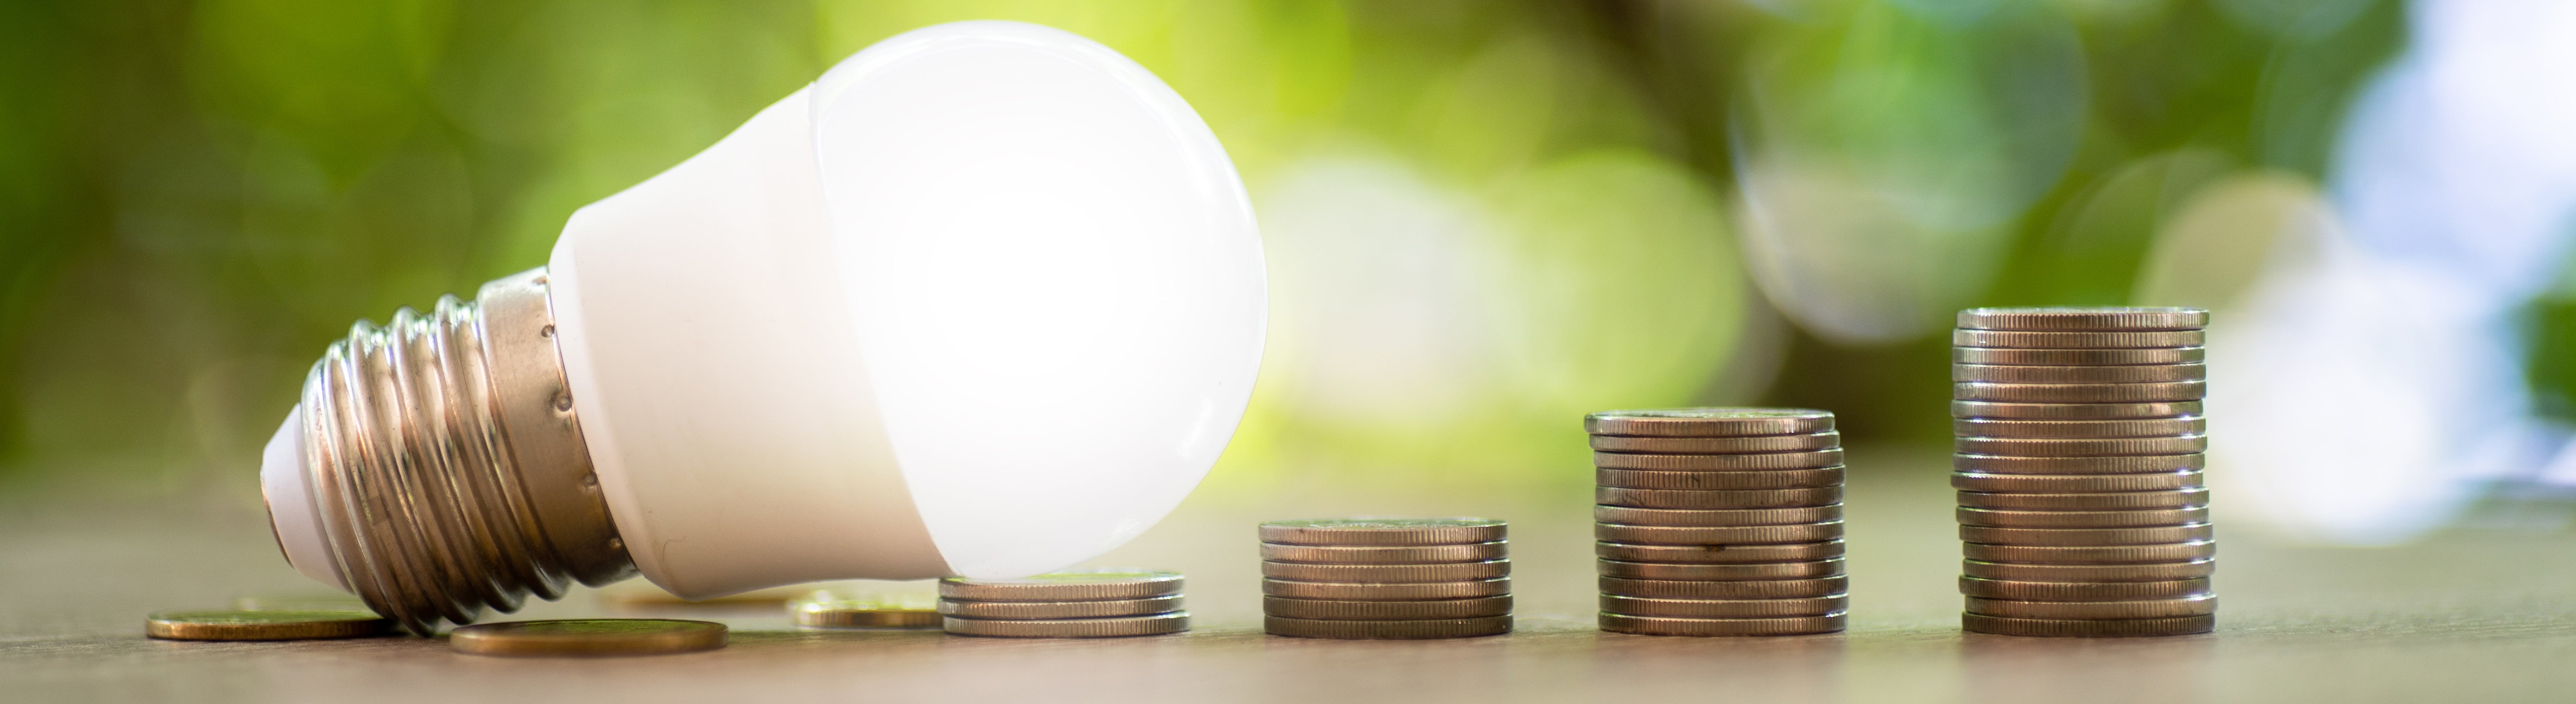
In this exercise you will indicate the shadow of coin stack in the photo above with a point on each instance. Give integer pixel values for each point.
(1103, 604)
(1719, 521)
(2080, 443)
(1392, 578)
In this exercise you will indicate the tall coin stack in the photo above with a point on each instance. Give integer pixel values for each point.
(1719, 521)
(1366, 578)
(2080, 443)
(1065, 605)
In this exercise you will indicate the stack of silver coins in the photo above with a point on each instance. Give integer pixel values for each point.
(1065, 605)
(1369, 578)
(1719, 521)
(2080, 444)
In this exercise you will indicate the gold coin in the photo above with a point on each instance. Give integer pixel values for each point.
(1719, 446)
(1716, 517)
(2133, 464)
(2073, 358)
(2084, 318)
(1747, 498)
(2091, 554)
(1383, 531)
(1346, 610)
(2014, 339)
(1724, 608)
(2124, 428)
(2081, 591)
(2079, 393)
(1358, 591)
(2151, 608)
(1670, 626)
(2073, 411)
(1718, 535)
(2001, 518)
(2143, 572)
(1718, 463)
(1720, 481)
(1118, 627)
(1104, 608)
(1718, 553)
(2068, 628)
(1831, 567)
(2075, 483)
(1064, 586)
(1387, 630)
(265, 625)
(1709, 422)
(1746, 589)
(865, 613)
(2105, 501)
(1387, 574)
(588, 637)
(2082, 447)
(2084, 536)
(1384, 554)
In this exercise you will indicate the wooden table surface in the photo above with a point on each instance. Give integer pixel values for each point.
(2471, 615)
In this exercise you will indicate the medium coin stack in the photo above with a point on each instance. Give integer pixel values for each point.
(1104, 604)
(1386, 578)
(1719, 521)
(2080, 444)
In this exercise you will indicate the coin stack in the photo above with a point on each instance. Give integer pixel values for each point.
(1719, 521)
(1368, 578)
(2080, 443)
(1065, 605)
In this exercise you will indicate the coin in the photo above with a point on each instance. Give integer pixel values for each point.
(1740, 589)
(1718, 535)
(1384, 554)
(2088, 318)
(2075, 483)
(1724, 608)
(2147, 572)
(2108, 501)
(2079, 393)
(1101, 608)
(2123, 464)
(2082, 447)
(1383, 531)
(1754, 571)
(1627, 515)
(1444, 609)
(1064, 586)
(1718, 463)
(1709, 422)
(2003, 518)
(2151, 608)
(1387, 574)
(1720, 481)
(2075, 340)
(1119, 627)
(1671, 626)
(2041, 374)
(2116, 628)
(1355, 591)
(2092, 357)
(588, 637)
(2081, 591)
(1720, 553)
(1387, 630)
(2090, 554)
(2073, 411)
(2084, 536)
(1749, 498)
(265, 625)
(2137, 428)
(1719, 446)
(864, 613)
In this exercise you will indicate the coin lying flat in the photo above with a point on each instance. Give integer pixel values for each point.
(2084, 318)
(2081, 591)
(1831, 567)
(1383, 531)
(1387, 574)
(1387, 630)
(1743, 589)
(2090, 554)
(1720, 481)
(1064, 586)
(265, 625)
(1719, 446)
(1361, 591)
(1718, 554)
(2076, 340)
(2084, 536)
(1709, 422)
(1715, 517)
(1670, 626)
(1481, 607)
(2117, 628)
(1749, 498)
(865, 613)
(2145, 572)
(2126, 464)
(1718, 535)
(588, 637)
(1100, 608)
(1385, 554)
(2092, 357)
(2002, 518)
(2073, 411)
(2075, 483)
(2041, 374)
(2152, 608)
(1718, 463)
(2105, 501)
(1724, 608)
(2082, 447)
(2079, 393)
(1119, 627)
(2130, 428)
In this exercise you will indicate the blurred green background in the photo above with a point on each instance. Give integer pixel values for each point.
(1483, 218)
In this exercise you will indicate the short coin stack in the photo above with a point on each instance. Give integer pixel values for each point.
(1365, 578)
(1719, 521)
(1065, 605)
(2080, 444)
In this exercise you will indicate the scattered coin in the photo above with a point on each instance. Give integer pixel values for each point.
(1718, 535)
(2141, 572)
(2075, 340)
(1444, 609)
(1360, 591)
(1719, 446)
(2132, 428)
(864, 613)
(1724, 608)
(2106, 501)
(1671, 626)
(1387, 574)
(2153, 608)
(1064, 586)
(1719, 553)
(2087, 318)
(1743, 589)
(1718, 463)
(2084, 536)
(1715, 517)
(265, 625)
(1387, 630)
(588, 637)
(2129, 464)
(2003, 518)
(1688, 499)
(2091, 554)
(1832, 567)
(1720, 481)
(2083, 447)
(2092, 357)
(1118, 627)
(2075, 483)
(2081, 591)
(1101, 608)
(1709, 422)
(2079, 393)
(2073, 411)
(1384, 554)
(1383, 531)
(2111, 628)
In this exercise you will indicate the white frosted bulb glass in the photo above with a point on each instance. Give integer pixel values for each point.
(987, 300)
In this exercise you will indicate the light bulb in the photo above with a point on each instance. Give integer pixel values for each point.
(986, 299)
